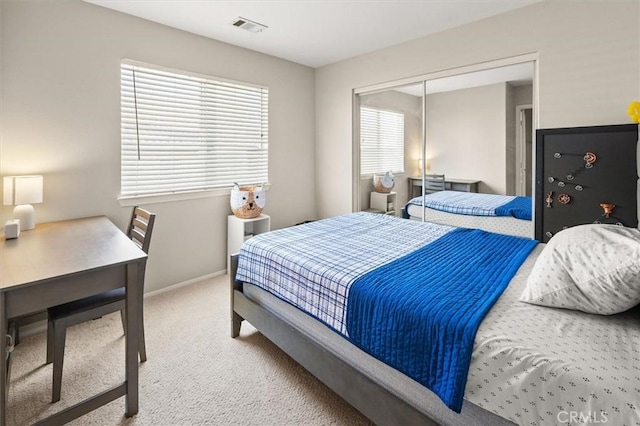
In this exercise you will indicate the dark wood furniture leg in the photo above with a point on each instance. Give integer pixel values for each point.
(236, 320)
(59, 335)
(134, 276)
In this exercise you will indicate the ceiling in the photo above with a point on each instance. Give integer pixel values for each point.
(314, 32)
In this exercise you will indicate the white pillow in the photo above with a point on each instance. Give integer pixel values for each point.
(589, 268)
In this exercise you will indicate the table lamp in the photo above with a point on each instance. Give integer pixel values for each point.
(22, 191)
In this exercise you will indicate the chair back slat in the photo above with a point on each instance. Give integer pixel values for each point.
(434, 183)
(142, 213)
(141, 227)
(137, 235)
(137, 223)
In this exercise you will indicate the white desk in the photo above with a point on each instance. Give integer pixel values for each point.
(451, 184)
(60, 262)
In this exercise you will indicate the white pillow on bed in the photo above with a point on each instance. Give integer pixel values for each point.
(589, 268)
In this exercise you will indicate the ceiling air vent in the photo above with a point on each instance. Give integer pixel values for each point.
(249, 25)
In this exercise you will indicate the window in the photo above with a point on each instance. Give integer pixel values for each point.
(382, 141)
(183, 132)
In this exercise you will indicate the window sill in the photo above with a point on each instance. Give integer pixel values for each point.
(369, 176)
(135, 200)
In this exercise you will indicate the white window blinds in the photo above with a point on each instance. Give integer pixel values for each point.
(381, 141)
(182, 132)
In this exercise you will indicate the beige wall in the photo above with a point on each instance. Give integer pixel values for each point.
(61, 118)
(466, 132)
(523, 95)
(589, 63)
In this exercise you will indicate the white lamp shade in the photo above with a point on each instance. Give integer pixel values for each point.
(20, 190)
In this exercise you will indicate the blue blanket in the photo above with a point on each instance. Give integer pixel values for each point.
(420, 313)
(519, 207)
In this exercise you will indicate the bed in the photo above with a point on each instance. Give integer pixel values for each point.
(503, 214)
(529, 364)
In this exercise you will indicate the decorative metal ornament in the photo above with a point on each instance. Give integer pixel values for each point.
(557, 155)
(590, 158)
(579, 188)
(551, 179)
(548, 234)
(564, 199)
(561, 184)
(608, 209)
(549, 199)
(570, 177)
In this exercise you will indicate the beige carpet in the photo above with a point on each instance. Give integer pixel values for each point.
(195, 374)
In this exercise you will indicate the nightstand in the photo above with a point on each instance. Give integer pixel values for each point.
(240, 230)
(385, 202)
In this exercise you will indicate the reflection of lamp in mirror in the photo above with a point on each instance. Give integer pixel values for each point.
(421, 165)
(22, 191)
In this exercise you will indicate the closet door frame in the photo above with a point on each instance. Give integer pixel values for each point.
(424, 80)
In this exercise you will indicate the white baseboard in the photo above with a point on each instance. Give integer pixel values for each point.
(184, 283)
(41, 326)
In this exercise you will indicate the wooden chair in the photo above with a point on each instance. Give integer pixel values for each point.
(433, 183)
(62, 316)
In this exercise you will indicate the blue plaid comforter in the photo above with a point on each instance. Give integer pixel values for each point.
(332, 269)
(477, 204)
(312, 266)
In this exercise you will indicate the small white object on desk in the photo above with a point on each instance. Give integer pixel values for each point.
(22, 191)
(12, 229)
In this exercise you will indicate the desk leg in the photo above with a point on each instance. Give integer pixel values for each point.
(131, 341)
(3, 352)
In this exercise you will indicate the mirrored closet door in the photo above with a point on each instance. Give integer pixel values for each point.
(475, 128)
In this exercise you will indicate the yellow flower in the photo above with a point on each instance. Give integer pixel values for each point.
(634, 111)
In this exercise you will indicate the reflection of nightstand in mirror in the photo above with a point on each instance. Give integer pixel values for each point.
(451, 184)
(386, 203)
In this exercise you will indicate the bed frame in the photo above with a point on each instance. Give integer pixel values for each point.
(373, 400)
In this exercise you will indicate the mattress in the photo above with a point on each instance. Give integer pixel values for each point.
(534, 365)
(500, 224)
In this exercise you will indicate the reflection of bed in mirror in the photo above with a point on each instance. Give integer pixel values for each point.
(503, 214)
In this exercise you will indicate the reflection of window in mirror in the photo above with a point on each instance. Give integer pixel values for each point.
(390, 140)
(381, 141)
